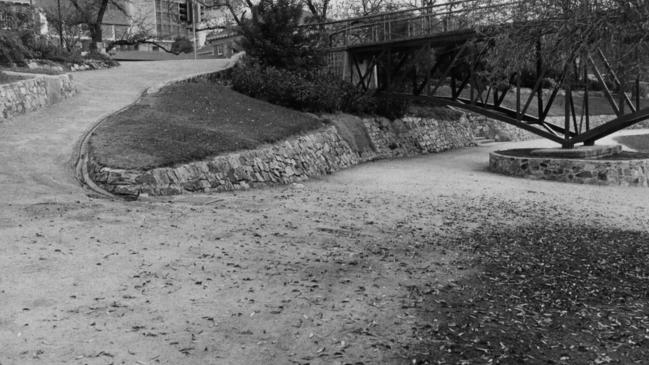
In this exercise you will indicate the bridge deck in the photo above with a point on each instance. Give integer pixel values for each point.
(435, 40)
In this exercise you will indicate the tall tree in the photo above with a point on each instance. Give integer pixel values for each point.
(561, 30)
(92, 12)
(273, 36)
(318, 8)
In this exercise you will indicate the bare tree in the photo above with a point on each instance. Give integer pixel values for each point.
(91, 13)
(67, 22)
(318, 8)
(563, 30)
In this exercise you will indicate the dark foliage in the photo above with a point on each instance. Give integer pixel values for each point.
(274, 38)
(40, 46)
(311, 92)
(5, 79)
(101, 57)
(18, 46)
(286, 88)
(16, 16)
(182, 45)
(12, 49)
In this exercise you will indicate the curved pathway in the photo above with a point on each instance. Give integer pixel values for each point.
(36, 148)
(323, 272)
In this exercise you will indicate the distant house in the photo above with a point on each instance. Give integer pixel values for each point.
(164, 20)
(221, 44)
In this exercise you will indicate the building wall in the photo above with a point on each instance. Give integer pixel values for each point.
(223, 46)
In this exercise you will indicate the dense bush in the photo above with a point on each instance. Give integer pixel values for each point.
(12, 48)
(311, 92)
(41, 47)
(182, 45)
(287, 88)
(18, 46)
(273, 36)
(283, 67)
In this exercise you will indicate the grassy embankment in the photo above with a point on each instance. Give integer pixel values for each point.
(7, 79)
(188, 122)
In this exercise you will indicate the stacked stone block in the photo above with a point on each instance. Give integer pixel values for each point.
(597, 172)
(29, 95)
(318, 153)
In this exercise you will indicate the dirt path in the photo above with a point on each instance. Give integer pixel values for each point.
(330, 271)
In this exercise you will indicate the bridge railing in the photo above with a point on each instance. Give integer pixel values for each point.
(414, 23)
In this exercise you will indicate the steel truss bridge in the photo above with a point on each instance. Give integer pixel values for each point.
(389, 53)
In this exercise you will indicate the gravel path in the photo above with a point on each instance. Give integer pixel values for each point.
(335, 270)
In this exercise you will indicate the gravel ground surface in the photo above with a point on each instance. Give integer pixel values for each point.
(372, 265)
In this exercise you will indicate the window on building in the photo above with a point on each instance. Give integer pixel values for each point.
(220, 50)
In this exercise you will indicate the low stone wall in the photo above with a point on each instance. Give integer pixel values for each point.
(413, 135)
(598, 172)
(318, 153)
(482, 126)
(32, 94)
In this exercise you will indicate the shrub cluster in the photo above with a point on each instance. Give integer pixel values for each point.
(310, 91)
(12, 48)
(273, 36)
(288, 88)
(182, 45)
(285, 62)
(18, 46)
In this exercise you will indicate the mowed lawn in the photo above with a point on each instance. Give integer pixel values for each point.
(638, 142)
(192, 121)
(7, 79)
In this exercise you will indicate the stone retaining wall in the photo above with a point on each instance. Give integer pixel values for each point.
(598, 172)
(28, 95)
(318, 153)
(482, 126)
(413, 135)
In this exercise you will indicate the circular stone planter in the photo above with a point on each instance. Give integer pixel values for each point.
(625, 168)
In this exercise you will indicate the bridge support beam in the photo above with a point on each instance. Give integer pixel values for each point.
(449, 69)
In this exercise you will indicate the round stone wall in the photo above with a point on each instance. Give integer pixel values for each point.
(625, 172)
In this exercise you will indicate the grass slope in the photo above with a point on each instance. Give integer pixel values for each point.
(638, 142)
(7, 79)
(188, 122)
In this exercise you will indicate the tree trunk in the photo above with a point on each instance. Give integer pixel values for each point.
(95, 37)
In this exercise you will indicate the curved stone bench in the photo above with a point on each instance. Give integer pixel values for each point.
(625, 172)
(31, 94)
